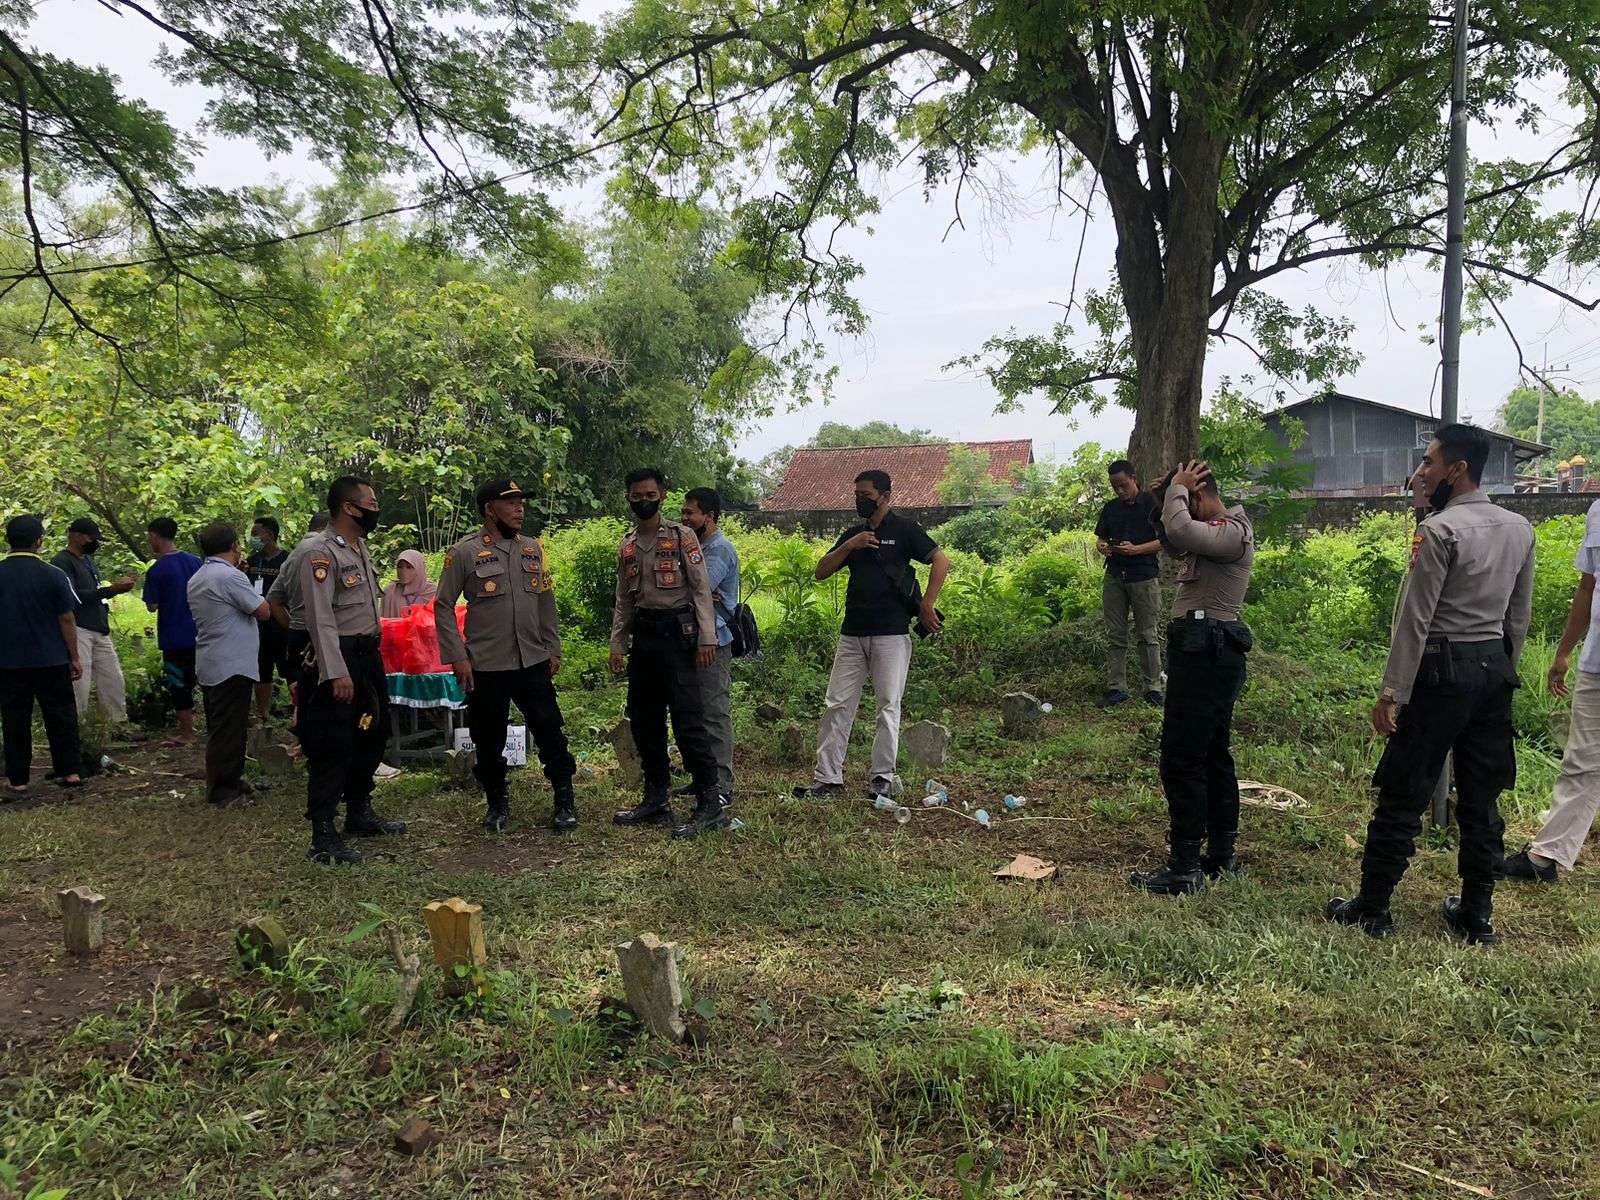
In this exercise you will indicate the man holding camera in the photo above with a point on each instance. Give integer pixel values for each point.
(882, 599)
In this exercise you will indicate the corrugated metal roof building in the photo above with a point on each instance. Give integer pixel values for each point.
(1359, 447)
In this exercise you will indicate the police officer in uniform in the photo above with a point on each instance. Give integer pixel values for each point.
(1206, 648)
(344, 699)
(664, 605)
(512, 649)
(1464, 614)
(289, 606)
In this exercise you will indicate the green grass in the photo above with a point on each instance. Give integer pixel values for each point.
(881, 1008)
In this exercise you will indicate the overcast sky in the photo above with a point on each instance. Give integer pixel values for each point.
(932, 297)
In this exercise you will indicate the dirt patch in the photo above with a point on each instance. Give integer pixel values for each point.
(45, 992)
(498, 858)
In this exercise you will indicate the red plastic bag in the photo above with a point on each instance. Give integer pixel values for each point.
(410, 644)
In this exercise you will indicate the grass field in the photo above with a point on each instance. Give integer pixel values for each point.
(886, 1021)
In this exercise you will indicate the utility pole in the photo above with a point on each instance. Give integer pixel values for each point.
(1455, 236)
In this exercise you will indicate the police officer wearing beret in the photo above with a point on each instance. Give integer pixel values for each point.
(344, 695)
(1206, 648)
(663, 631)
(512, 649)
(1464, 612)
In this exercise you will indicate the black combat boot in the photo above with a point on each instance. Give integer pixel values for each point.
(1371, 918)
(498, 818)
(654, 809)
(1468, 914)
(1219, 858)
(362, 820)
(564, 818)
(710, 812)
(327, 847)
(1181, 876)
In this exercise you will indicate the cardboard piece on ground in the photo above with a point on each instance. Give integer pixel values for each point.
(1026, 867)
(1269, 795)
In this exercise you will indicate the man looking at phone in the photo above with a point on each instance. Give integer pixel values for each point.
(881, 601)
(1125, 536)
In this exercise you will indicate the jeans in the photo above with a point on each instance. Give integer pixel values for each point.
(716, 685)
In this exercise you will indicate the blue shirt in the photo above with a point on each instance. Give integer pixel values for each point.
(33, 597)
(223, 602)
(166, 586)
(722, 565)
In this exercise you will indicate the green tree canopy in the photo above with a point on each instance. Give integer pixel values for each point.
(1231, 142)
(1571, 423)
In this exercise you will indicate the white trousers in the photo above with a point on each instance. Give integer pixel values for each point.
(100, 668)
(1578, 786)
(885, 661)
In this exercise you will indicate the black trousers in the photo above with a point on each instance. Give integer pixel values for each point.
(344, 741)
(1197, 771)
(295, 642)
(227, 729)
(488, 710)
(1460, 704)
(663, 678)
(52, 688)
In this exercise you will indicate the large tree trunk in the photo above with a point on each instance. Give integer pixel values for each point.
(1170, 337)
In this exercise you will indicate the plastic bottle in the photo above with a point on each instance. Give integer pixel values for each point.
(982, 817)
(1013, 803)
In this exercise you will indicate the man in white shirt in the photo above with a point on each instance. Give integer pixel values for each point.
(1577, 795)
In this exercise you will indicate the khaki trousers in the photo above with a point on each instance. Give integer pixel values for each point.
(1577, 795)
(884, 660)
(1143, 599)
(100, 668)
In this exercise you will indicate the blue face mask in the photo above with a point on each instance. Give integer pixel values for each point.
(255, 544)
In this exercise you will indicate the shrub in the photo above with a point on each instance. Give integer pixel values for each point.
(583, 559)
(1068, 586)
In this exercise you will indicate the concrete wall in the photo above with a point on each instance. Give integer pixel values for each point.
(1341, 512)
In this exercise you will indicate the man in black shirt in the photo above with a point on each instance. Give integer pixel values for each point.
(261, 568)
(38, 658)
(93, 616)
(882, 599)
(1126, 538)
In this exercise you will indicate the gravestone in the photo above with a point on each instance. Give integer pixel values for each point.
(275, 759)
(460, 764)
(456, 928)
(926, 744)
(255, 742)
(767, 712)
(1020, 714)
(82, 919)
(263, 941)
(655, 991)
(793, 745)
(630, 773)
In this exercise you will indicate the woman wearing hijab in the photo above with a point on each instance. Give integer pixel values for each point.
(411, 586)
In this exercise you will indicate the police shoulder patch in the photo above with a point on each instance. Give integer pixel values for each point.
(696, 557)
(319, 568)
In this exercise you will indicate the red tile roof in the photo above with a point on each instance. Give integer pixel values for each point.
(823, 480)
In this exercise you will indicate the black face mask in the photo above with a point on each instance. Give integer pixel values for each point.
(91, 546)
(865, 507)
(507, 531)
(645, 509)
(367, 518)
(1440, 496)
(698, 530)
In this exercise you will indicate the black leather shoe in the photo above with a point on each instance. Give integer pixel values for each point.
(1114, 697)
(709, 814)
(1374, 923)
(652, 810)
(365, 821)
(1154, 697)
(818, 791)
(1470, 922)
(564, 817)
(328, 848)
(1520, 866)
(498, 818)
